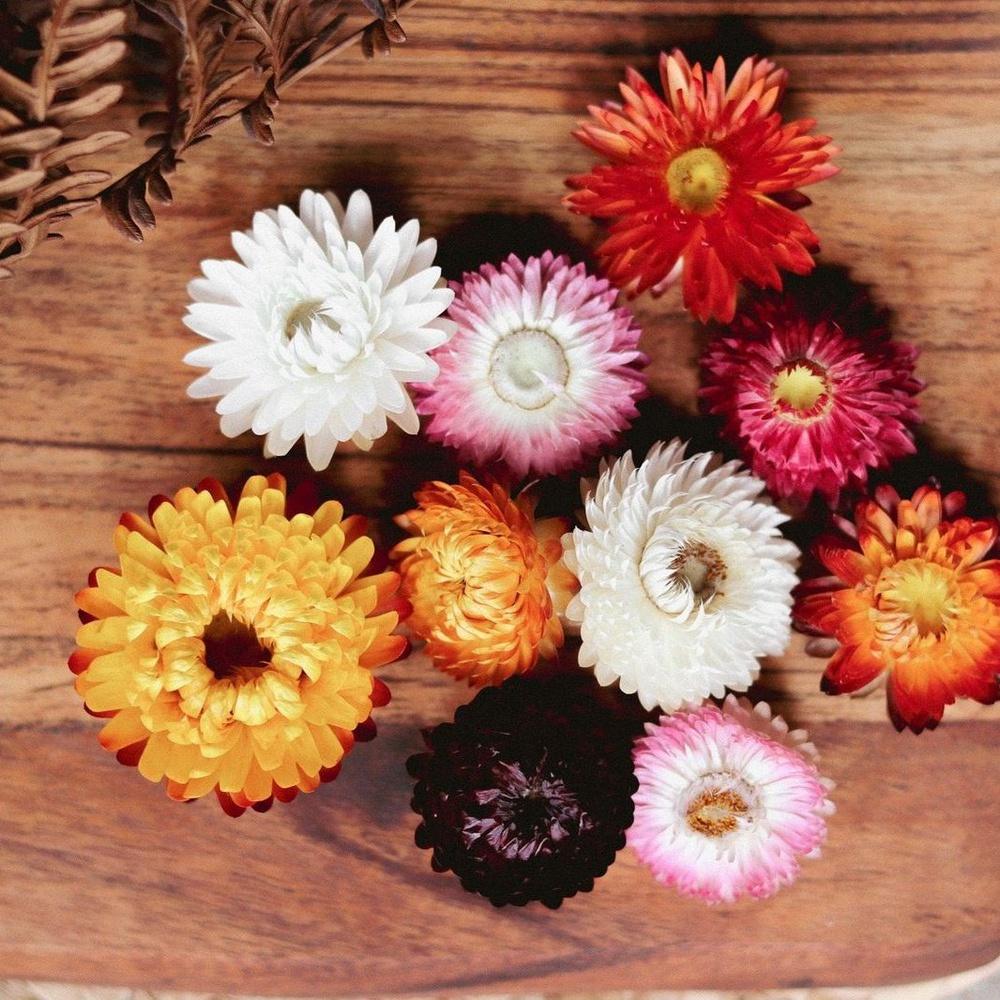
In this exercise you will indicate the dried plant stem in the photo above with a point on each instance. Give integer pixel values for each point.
(329, 54)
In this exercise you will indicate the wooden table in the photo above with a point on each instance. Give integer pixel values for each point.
(103, 880)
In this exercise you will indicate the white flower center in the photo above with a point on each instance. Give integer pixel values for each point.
(719, 804)
(680, 575)
(323, 330)
(528, 368)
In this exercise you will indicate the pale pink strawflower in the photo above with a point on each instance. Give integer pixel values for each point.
(729, 801)
(543, 372)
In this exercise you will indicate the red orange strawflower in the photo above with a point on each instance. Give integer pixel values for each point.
(703, 183)
(914, 600)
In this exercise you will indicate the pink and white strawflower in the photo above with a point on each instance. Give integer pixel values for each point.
(729, 801)
(543, 372)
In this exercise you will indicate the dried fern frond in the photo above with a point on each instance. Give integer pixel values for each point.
(51, 56)
(225, 46)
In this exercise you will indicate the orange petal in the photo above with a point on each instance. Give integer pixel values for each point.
(850, 669)
(384, 649)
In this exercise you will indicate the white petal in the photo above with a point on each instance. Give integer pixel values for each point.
(320, 448)
(358, 226)
(407, 420)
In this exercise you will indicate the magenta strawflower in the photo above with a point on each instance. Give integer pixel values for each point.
(813, 401)
(729, 800)
(543, 372)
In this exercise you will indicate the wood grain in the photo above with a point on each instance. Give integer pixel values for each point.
(103, 880)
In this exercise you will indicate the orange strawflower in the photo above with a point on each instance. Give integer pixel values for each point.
(231, 650)
(701, 183)
(485, 580)
(914, 602)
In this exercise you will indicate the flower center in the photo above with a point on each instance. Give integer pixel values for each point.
(530, 805)
(799, 388)
(233, 649)
(700, 567)
(301, 316)
(720, 804)
(715, 812)
(697, 180)
(528, 368)
(680, 576)
(916, 597)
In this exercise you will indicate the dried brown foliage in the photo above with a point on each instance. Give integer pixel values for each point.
(226, 47)
(233, 58)
(51, 53)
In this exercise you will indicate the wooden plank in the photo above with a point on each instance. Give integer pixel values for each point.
(103, 880)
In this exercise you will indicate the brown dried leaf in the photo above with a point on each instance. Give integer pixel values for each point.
(88, 106)
(86, 66)
(28, 141)
(61, 54)
(20, 182)
(85, 33)
(96, 143)
(74, 183)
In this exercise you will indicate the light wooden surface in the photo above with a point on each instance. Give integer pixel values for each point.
(102, 880)
(978, 984)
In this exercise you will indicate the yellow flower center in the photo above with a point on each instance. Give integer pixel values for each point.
(798, 389)
(917, 596)
(716, 812)
(528, 368)
(233, 649)
(697, 180)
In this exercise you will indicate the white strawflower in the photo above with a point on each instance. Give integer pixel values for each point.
(685, 579)
(315, 333)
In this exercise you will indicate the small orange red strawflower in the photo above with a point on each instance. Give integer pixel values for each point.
(702, 184)
(485, 580)
(231, 649)
(914, 600)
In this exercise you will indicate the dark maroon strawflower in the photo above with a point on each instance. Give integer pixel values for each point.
(527, 794)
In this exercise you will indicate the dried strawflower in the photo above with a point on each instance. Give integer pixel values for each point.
(544, 369)
(812, 404)
(729, 801)
(685, 579)
(232, 649)
(527, 794)
(484, 578)
(317, 331)
(912, 601)
(702, 184)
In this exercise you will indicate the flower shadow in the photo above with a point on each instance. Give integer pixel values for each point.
(489, 237)
(701, 38)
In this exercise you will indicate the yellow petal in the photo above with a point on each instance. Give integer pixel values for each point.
(331, 750)
(109, 633)
(123, 730)
(327, 516)
(153, 762)
(234, 766)
(358, 554)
